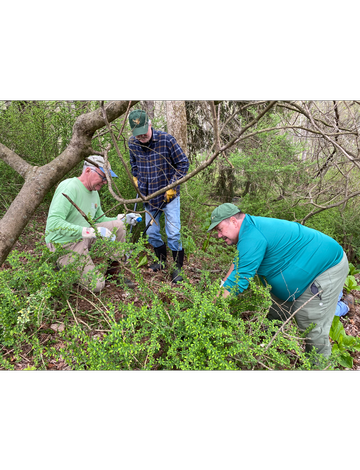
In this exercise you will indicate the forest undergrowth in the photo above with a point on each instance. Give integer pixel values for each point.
(49, 322)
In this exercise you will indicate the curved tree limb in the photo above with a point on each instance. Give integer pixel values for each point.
(39, 180)
(12, 159)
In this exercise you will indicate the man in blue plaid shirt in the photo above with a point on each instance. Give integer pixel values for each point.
(157, 160)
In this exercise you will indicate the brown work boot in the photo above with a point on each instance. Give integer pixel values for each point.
(350, 302)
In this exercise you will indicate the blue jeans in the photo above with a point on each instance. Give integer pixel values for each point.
(341, 308)
(172, 225)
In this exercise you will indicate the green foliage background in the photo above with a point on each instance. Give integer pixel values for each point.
(175, 328)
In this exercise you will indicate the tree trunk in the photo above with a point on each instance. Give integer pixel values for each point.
(247, 188)
(224, 188)
(176, 122)
(149, 107)
(39, 180)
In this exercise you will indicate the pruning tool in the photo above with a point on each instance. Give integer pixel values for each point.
(137, 196)
(128, 254)
(148, 225)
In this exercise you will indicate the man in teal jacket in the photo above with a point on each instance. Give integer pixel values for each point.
(298, 262)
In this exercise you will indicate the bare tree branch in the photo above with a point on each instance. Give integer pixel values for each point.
(128, 172)
(322, 208)
(12, 159)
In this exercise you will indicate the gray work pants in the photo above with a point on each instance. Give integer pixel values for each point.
(82, 248)
(320, 310)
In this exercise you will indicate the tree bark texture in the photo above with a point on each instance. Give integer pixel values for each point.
(176, 122)
(149, 107)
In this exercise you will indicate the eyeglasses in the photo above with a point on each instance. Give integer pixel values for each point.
(102, 177)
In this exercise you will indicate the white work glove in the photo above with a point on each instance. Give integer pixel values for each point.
(131, 219)
(89, 232)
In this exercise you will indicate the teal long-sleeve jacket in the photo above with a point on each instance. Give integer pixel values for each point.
(288, 255)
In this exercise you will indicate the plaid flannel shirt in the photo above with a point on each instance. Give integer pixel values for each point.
(157, 164)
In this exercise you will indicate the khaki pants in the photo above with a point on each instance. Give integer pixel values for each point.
(82, 248)
(320, 310)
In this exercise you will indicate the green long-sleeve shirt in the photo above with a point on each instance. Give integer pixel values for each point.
(65, 223)
(289, 255)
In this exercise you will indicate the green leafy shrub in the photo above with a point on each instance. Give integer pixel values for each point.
(353, 270)
(185, 329)
(351, 284)
(343, 344)
(173, 328)
(188, 242)
(33, 290)
(350, 281)
(29, 289)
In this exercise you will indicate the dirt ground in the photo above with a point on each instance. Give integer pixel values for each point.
(114, 292)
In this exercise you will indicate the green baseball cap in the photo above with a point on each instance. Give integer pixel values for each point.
(221, 213)
(139, 122)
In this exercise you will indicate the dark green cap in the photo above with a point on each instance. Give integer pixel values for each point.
(221, 213)
(139, 122)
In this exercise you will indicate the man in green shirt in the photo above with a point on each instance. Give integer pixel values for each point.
(298, 262)
(65, 224)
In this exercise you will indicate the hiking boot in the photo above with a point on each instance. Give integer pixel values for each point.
(129, 283)
(350, 302)
(160, 252)
(179, 260)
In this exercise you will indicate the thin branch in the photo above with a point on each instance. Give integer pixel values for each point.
(76, 207)
(15, 161)
(71, 310)
(216, 132)
(123, 124)
(128, 172)
(335, 144)
(328, 207)
(287, 321)
(300, 110)
(81, 212)
(207, 162)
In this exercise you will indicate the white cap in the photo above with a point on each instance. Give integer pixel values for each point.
(101, 162)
